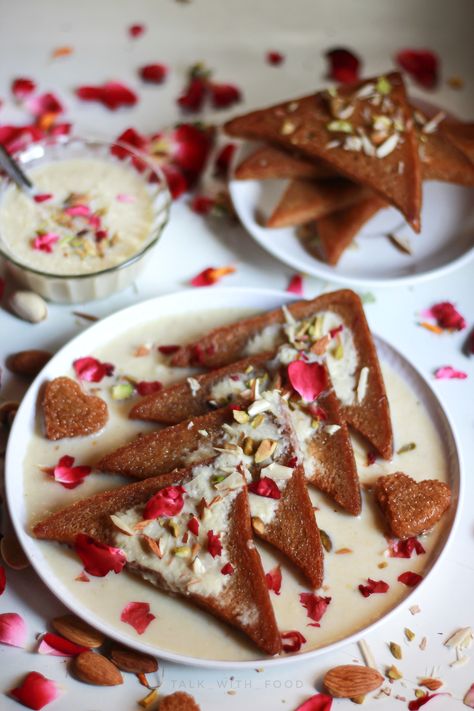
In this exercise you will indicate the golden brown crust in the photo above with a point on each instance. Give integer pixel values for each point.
(179, 701)
(442, 160)
(247, 586)
(411, 508)
(306, 200)
(461, 135)
(69, 412)
(268, 163)
(308, 117)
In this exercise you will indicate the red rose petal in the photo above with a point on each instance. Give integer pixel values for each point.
(371, 457)
(112, 94)
(373, 586)
(224, 95)
(410, 579)
(154, 73)
(193, 96)
(45, 242)
(3, 580)
(295, 641)
(69, 476)
(447, 316)
(177, 183)
(224, 159)
(201, 204)
(189, 148)
(2, 287)
(22, 87)
(78, 211)
(469, 344)
(168, 350)
(36, 691)
(308, 379)
(315, 606)
(58, 646)
(265, 487)
(344, 65)
(138, 615)
(421, 65)
(98, 558)
(418, 703)
(193, 525)
(275, 58)
(42, 197)
(82, 578)
(166, 502)
(296, 285)
(319, 702)
(91, 369)
(405, 549)
(214, 545)
(44, 104)
(132, 138)
(146, 387)
(227, 569)
(273, 578)
(136, 30)
(12, 629)
(211, 276)
(447, 372)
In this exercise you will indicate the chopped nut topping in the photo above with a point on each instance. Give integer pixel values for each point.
(265, 450)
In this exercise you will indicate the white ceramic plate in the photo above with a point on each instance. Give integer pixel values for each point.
(445, 242)
(187, 303)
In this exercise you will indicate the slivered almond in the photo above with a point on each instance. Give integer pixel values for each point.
(258, 524)
(93, 668)
(140, 525)
(431, 684)
(128, 660)
(121, 525)
(154, 546)
(78, 631)
(349, 681)
(265, 450)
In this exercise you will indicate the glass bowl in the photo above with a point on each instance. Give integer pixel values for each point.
(87, 286)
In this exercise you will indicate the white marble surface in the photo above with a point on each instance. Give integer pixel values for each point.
(232, 37)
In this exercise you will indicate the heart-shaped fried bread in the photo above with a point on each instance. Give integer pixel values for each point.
(411, 507)
(69, 412)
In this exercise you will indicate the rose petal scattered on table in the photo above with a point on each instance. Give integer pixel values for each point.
(421, 701)
(421, 64)
(98, 558)
(224, 159)
(22, 87)
(154, 73)
(36, 691)
(319, 702)
(58, 646)
(447, 372)
(136, 30)
(112, 94)
(274, 58)
(446, 316)
(138, 615)
(12, 629)
(202, 204)
(211, 275)
(344, 65)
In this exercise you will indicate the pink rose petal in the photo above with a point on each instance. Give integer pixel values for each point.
(41, 104)
(166, 502)
(315, 606)
(296, 285)
(36, 691)
(45, 242)
(22, 87)
(319, 702)
(91, 369)
(124, 197)
(69, 476)
(273, 578)
(308, 379)
(58, 646)
(292, 641)
(12, 629)
(78, 210)
(265, 487)
(214, 545)
(447, 372)
(138, 615)
(98, 558)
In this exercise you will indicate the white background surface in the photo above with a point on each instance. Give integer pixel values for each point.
(232, 37)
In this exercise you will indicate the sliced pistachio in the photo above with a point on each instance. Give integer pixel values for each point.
(383, 86)
(339, 126)
(407, 448)
(409, 634)
(396, 650)
(182, 551)
(122, 391)
(240, 416)
(325, 540)
(394, 673)
(248, 446)
(174, 528)
(257, 421)
(258, 524)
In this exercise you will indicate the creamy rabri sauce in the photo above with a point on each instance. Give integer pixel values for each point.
(178, 626)
(99, 214)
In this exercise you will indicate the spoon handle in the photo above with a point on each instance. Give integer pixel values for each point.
(13, 170)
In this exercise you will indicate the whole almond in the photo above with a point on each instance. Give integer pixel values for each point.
(350, 680)
(78, 631)
(93, 668)
(27, 363)
(128, 660)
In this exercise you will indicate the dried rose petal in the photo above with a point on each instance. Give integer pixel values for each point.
(189, 148)
(91, 369)
(404, 549)
(344, 65)
(373, 586)
(308, 379)
(273, 578)
(154, 73)
(265, 487)
(447, 316)
(136, 30)
(146, 387)
(35, 691)
(371, 457)
(319, 702)
(177, 183)
(410, 579)
(98, 558)
(45, 242)
(69, 476)
(44, 104)
(227, 569)
(295, 640)
(3, 580)
(58, 646)
(447, 372)
(193, 525)
(275, 58)
(214, 545)
(42, 197)
(469, 697)
(421, 65)
(166, 502)
(469, 346)
(201, 204)
(296, 285)
(224, 95)
(78, 210)
(112, 94)
(125, 198)
(12, 629)
(22, 87)
(418, 703)
(132, 138)
(2, 287)
(193, 96)
(224, 159)
(315, 606)
(211, 276)
(168, 350)
(138, 615)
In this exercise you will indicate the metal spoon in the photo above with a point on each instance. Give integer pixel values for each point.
(15, 172)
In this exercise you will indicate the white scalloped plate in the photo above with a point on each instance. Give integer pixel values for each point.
(179, 304)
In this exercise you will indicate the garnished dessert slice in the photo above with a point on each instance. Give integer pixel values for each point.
(185, 539)
(364, 131)
(410, 507)
(351, 357)
(70, 412)
(262, 436)
(441, 157)
(269, 163)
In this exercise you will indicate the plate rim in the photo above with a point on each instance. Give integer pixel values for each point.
(29, 404)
